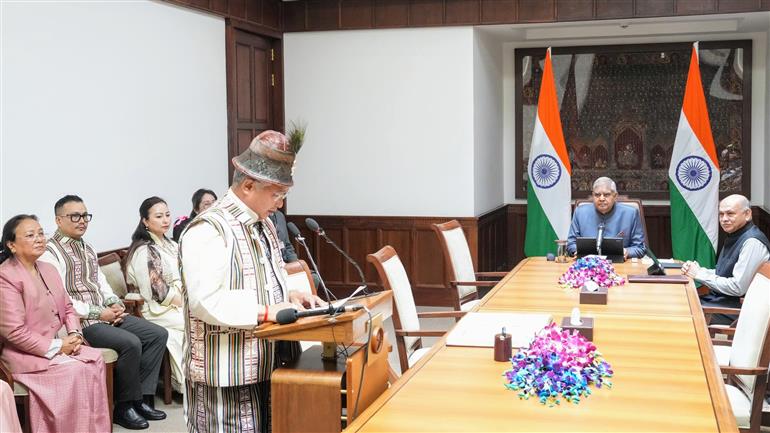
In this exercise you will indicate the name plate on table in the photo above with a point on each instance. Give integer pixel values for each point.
(479, 329)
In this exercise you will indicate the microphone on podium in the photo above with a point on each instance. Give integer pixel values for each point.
(314, 227)
(290, 315)
(298, 235)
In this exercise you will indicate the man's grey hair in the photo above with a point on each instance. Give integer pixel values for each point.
(605, 181)
(239, 177)
(741, 200)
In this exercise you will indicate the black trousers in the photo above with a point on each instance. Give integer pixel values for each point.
(140, 345)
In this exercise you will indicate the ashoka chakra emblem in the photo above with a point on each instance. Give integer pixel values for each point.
(546, 171)
(693, 173)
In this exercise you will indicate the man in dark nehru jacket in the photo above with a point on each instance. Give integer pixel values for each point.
(745, 249)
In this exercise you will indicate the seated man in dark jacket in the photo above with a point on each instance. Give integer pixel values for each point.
(745, 248)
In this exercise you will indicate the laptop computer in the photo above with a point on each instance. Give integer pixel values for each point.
(612, 247)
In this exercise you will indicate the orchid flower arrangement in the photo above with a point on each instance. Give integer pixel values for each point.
(558, 364)
(593, 268)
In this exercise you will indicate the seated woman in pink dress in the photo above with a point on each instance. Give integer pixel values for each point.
(65, 378)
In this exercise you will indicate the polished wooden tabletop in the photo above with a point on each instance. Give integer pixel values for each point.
(666, 377)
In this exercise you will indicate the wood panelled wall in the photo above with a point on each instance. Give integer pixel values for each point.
(311, 15)
(496, 241)
(265, 16)
(412, 237)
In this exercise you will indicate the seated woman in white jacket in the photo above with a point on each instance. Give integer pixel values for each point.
(153, 269)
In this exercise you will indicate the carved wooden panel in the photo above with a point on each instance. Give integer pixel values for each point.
(654, 8)
(532, 11)
(574, 10)
(687, 7)
(271, 13)
(236, 9)
(614, 8)
(498, 11)
(219, 6)
(322, 15)
(426, 13)
(356, 14)
(293, 16)
(391, 13)
(358, 243)
(462, 12)
(254, 11)
(634, 123)
(493, 241)
(725, 6)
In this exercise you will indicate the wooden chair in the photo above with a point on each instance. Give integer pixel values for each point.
(20, 395)
(463, 279)
(745, 360)
(406, 319)
(300, 278)
(633, 202)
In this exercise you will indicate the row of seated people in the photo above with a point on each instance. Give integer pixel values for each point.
(744, 250)
(152, 267)
(95, 314)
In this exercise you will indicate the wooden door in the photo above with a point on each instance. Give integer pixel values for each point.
(254, 98)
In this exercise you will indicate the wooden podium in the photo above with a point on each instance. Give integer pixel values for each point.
(318, 391)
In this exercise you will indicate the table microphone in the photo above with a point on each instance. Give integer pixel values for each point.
(290, 315)
(600, 238)
(314, 227)
(297, 235)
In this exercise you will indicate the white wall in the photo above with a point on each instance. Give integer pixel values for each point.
(760, 128)
(766, 142)
(487, 123)
(390, 121)
(113, 101)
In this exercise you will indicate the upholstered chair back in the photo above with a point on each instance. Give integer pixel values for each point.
(299, 277)
(752, 329)
(456, 248)
(110, 266)
(394, 278)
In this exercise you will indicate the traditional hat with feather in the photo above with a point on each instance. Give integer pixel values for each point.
(269, 158)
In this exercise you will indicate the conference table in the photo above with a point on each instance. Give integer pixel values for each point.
(666, 377)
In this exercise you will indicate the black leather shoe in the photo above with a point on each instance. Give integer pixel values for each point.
(147, 412)
(127, 417)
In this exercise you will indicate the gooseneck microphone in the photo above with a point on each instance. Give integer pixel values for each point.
(314, 227)
(298, 235)
(290, 315)
(600, 238)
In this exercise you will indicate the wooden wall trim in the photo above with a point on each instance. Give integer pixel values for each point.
(263, 17)
(313, 15)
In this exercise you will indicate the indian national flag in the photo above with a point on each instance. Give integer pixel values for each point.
(693, 177)
(549, 190)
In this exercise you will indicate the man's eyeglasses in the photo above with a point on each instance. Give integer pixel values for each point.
(76, 217)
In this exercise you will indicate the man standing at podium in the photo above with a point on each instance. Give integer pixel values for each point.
(233, 280)
(619, 220)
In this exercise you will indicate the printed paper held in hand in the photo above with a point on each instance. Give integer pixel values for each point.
(479, 329)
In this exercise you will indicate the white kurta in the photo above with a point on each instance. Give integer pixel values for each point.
(163, 312)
